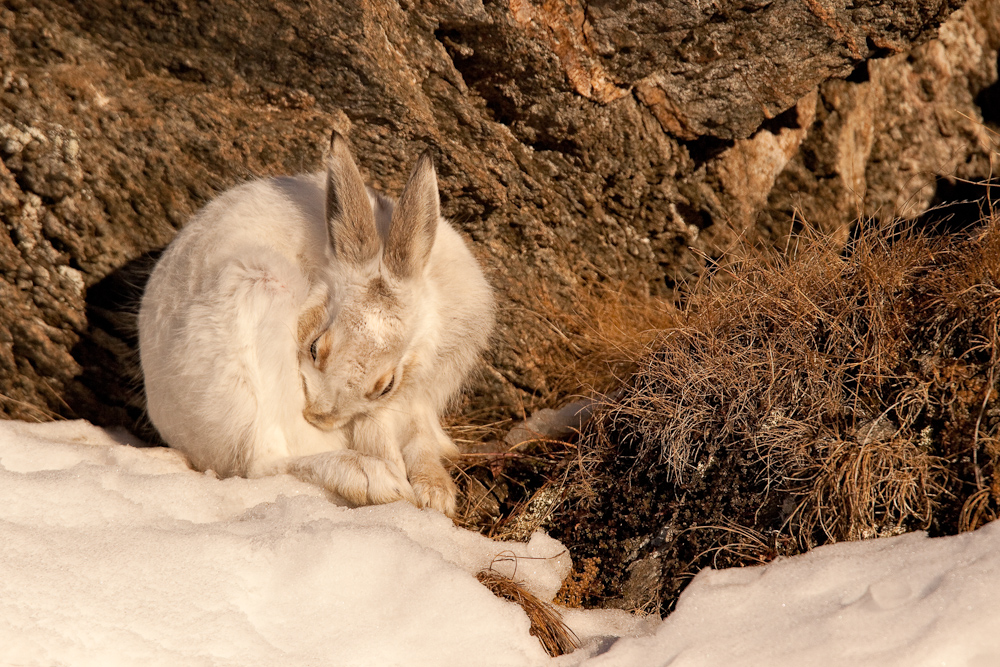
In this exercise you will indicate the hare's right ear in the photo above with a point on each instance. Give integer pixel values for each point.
(414, 221)
(350, 221)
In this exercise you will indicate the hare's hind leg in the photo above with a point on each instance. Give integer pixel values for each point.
(358, 478)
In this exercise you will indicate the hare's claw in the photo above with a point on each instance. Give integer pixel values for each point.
(434, 488)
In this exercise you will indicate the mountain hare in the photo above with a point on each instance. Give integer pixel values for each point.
(309, 325)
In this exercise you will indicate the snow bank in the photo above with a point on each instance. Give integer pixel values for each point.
(117, 555)
(905, 601)
(114, 555)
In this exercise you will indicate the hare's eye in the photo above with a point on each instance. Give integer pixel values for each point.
(312, 349)
(388, 387)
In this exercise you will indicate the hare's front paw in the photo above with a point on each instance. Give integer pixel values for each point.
(433, 487)
(388, 486)
(355, 477)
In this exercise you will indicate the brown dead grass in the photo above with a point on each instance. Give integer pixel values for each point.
(799, 398)
(585, 341)
(579, 584)
(546, 623)
(596, 334)
(861, 380)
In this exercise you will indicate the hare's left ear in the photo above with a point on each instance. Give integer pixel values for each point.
(349, 217)
(414, 222)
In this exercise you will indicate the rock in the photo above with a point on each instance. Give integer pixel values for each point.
(552, 424)
(641, 590)
(883, 143)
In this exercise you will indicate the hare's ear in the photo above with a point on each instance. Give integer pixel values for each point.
(414, 221)
(350, 221)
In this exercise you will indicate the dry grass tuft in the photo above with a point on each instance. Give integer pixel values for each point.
(799, 398)
(856, 378)
(587, 348)
(593, 345)
(806, 397)
(580, 583)
(546, 623)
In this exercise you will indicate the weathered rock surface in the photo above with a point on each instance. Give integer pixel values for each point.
(576, 142)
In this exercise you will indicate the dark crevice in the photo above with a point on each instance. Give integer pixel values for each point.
(959, 205)
(694, 216)
(514, 84)
(988, 101)
(875, 51)
(468, 54)
(859, 74)
(706, 147)
(789, 118)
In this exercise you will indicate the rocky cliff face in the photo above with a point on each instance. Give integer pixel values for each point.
(576, 142)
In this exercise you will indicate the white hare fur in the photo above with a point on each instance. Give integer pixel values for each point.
(308, 325)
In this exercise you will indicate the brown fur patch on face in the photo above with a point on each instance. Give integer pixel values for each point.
(408, 367)
(323, 350)
(310, 321)
(380, 293)
(381, 385)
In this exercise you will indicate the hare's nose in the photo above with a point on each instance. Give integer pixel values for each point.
(326, 421)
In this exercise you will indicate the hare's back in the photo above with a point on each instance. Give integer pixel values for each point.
(215, 317)
(283, 215)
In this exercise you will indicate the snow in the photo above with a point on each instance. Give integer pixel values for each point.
(119, 555)
(908, 600)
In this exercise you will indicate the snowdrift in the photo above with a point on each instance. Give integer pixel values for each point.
(118, 555)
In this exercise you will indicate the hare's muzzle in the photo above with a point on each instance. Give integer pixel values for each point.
(326, 421)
